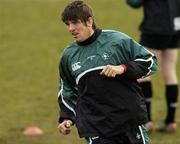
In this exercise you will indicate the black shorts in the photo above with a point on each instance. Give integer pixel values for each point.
(137, 135)
(160, 42)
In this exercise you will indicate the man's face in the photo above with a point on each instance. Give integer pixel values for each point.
(79, 30)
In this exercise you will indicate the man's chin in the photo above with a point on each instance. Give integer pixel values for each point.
(77, 40)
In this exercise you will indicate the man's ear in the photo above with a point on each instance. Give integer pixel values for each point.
(89, 22)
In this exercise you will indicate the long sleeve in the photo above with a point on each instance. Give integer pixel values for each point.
(141, 62)
(67, 95)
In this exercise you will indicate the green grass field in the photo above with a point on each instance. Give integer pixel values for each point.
(31, 41)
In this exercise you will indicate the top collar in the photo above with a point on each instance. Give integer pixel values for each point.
(91, 39)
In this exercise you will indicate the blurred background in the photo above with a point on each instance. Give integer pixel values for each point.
(32, 38)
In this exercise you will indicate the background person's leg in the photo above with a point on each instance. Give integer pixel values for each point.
(168, 68)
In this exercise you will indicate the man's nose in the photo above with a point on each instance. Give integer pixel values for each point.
(71, 27)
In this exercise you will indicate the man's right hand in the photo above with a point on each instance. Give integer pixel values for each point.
(65, 127)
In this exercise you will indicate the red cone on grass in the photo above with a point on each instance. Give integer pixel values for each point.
(32, 131)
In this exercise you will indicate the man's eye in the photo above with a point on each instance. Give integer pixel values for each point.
(66, 23)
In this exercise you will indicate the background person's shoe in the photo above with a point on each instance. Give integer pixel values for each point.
(167, 128)
(149, 126)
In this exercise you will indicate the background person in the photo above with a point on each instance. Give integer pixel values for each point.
(160, 33)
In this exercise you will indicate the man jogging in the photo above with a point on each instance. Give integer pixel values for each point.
(99, 91)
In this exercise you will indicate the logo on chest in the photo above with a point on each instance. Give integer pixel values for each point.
(106, 56)
(76, 66)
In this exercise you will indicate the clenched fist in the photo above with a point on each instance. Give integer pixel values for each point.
(65, 127)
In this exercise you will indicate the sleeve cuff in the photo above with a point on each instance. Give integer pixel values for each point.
(124, 67)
